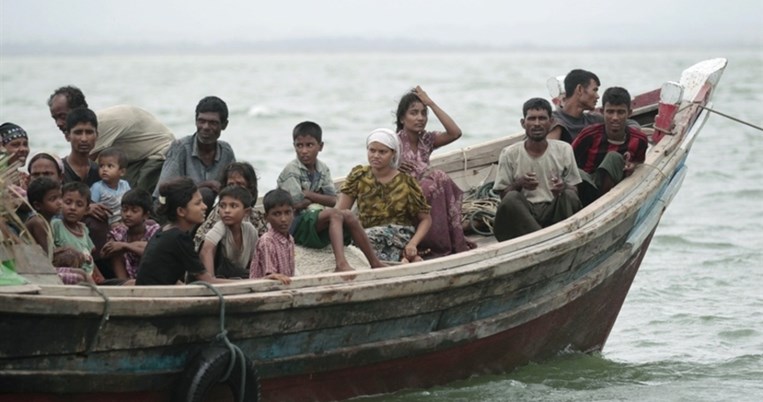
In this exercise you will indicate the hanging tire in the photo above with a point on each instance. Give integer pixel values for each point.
(206, 370)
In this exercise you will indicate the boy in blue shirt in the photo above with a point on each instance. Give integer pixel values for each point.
(112, 165)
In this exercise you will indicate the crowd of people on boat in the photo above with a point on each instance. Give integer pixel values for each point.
(131, 204)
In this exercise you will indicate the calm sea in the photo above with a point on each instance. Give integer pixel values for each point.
(692, 325)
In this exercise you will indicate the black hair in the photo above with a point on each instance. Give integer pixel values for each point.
(405, 103)
(176, 193)
(77, 187)
(39, 187)
(137, 197)
(81, 115)
(578, 77)
(246, 170)
(115, 152)
(616, 96)
(45, 155)
(275, 198)
(238, 193)
(74, 97)
(308, 129)
(536, 103)
(213, 104)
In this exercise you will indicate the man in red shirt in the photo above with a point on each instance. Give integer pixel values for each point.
(608, 152)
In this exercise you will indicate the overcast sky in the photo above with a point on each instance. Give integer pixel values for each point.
(500, 23)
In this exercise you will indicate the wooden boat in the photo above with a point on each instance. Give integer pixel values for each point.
(331, 337)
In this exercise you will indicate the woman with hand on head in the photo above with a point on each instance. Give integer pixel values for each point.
(443, 195)
(391, 206)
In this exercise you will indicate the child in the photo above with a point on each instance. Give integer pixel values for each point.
(238, 237)
(44, 195)
(69, 231)
(274, 254)
(127, 240)
(309, 183)
(169, 255)
(112, 165)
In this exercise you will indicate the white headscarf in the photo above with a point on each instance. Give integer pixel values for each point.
(387, 138)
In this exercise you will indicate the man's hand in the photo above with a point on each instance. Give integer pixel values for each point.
(528, 182)
(99, 211)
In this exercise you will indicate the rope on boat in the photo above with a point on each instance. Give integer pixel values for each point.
(479, 206)
(104, 316)
(235, 352)
(738, 120)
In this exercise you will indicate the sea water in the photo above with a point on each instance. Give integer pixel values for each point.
(691, 327)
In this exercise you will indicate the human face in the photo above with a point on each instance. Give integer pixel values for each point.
(415, 118)
(589, 95)
(51, 204)
(43, 167)
(18, 149)
(82, 138)
(133, 215)
(379, 155)
(307, 149)
(195, 211)
(75, 207)
(280, 218)
(536, 124)
(231, 210)
(109, 170)
(614, 119)
(59, 109)
(237, 179)
(209, 127)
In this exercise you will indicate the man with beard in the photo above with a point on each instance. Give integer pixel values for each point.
(536, 178)
(201, 156)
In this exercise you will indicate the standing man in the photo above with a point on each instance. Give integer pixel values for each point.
(142, 137)
(536, 178)
(201, 156)
(581, 92)
(607, 153)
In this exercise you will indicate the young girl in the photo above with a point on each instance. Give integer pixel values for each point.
(127, 241)
(170, 255)
(44, 195)
(229, 246)
(69, 231)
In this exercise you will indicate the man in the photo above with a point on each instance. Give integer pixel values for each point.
(581, 90)
(133, 130)
(606, 153)
(201, 156)
(536, 178)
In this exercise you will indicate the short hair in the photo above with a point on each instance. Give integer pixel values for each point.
(275, 198)
(77, 187)
(81, 115)
(137, 197)
(405, 103)
(246, 170)
(578, 77)
(238, 193)
(115, 152)
(39, 187)
(616, 96)
(308, 129)
(176, 193)
(213, 104)
(537, 104)
(74, 97)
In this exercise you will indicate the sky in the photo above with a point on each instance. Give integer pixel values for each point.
(72, 24)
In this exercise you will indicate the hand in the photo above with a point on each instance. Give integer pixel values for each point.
(528, 182)
(406, 167)
(112, 247)
(425, 99)
(99, 211)
(279, 277)
(629, 166)
(557, 185)
(410, 252)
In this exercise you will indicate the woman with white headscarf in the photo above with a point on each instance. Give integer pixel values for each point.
(391, 206)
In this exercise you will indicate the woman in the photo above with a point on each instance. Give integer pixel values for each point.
(15, 142)
(46, 164)
(443, 195)
(391, 205)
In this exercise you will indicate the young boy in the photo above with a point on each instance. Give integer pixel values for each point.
(127, 240)
(310, 185)
(44, 195)
(274, 254)
(112, 165)
(69, 231)
(233, 257)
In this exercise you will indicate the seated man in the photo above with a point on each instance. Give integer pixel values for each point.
(607, 153)
(536, 178)
(581, 92)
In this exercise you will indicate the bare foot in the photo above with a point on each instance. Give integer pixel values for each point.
(343, 268)
(378, 264)
(404, 260)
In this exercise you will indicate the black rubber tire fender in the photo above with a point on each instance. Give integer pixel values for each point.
(206, 369)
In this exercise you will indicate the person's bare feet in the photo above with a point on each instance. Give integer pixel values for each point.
(345, 267)
(378, 264)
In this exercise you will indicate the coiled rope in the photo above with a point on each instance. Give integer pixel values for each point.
(479, 206)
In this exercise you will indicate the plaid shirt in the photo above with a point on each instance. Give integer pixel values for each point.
(274, 255)
(295, 178)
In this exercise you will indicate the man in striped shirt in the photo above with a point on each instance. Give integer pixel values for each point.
(608, 152)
